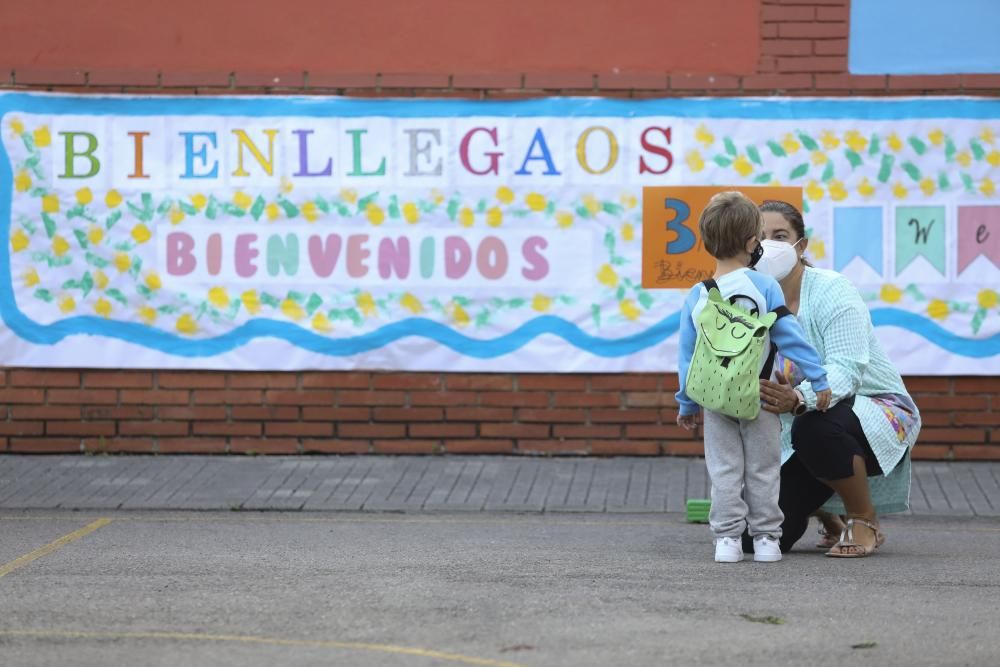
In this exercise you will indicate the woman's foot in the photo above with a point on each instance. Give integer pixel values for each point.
(831, 526)
(860, 538)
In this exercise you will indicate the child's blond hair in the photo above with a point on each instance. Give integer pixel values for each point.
(727, 223)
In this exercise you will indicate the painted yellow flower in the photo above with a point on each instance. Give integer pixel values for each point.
(84, 196)
(628, 200)
(865, 188)
(321, 323)
(437, 196)
(31, 278)
(141, 233)
(937, 309)
(628, 232)
(607, 276)
(100, 279)
(458, 315)
(19, 240)
(42, 137)
(50, 203)
(375, 214)
(147, 314)
(541, 303)
(113, 199)
(927, 186)
(292, 310)
(176, 215)
(814, 191)
(218, 297)
(186, 324)
(694, 161)
(899, 190)
(153, 281)
(890, 294)
(273, 211)
(95, 234)
(505, 195)
(536, 202)
(22, 182)
(987, 299)
(17, 126)
(251, 301)
(837, 190)
(310, 211)
(818, 157)
(59, 245)
(629, 309)
(993, 157)
(742, 166)
(199, 201)
(366, 304)
(790, 144)
(67, 304)
(411, 213)
(494, 216)
(466, 217)
(829, 140)
(350, 195)
(704, 136)
(987, 135)
(591, 203)
(936, 136)
(564, 219)
(895, 143)
(964, 158)
(817, 248)
(286, 185)
(855, 141)
(122, 262)
(411, 303)
(987, 187)
(242, 199)
(103, 307)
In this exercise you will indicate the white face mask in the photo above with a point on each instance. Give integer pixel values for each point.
(779, 258)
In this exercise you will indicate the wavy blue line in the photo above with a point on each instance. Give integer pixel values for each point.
(977, 348)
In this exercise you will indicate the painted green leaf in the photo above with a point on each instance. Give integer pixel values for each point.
(44, 295)
(967, 181)
(297, 297)
(164, 206)
(943, 182)
(730, 146)
(885, 171)
(122, 246)
(117, 295)
(355, 317)
(86, 283)
(147, 202)
(364, 201)
(595, 312)
(136, 211)
(620, 294)
(977, 149)
(754, 155)
(481, 206)
(805, 206)
(38, 192)
(799, 171)
(583, 212)
(977, 320)
(612, 208)
(609, 241)
(461, 300)
(269, 300)
(144, 291)
(722, 160)
(136, 267)
(233, 210)
(81, 238)
(911, 170)
(873, 145)
(645, 299)
(32, 163)
(949, 149)
(919, 146)
(516, 303)
(394, 207)
(452, 209)
(618, 261)
(96, 260)
(322, 204)
(290, 209)
(212, 208)
(763, 178)
(29, 141)
(342, 210)
(808, 141)
(168, 309)
(550, 208)
(187, 208)
(497, 302)
(828, 172)
(74, 212)
(112, 219)
(483, 318)
(314, 302)
(71, 284)
(915, 292)
(50, 225)
(258, 207)
(776, 149)
(853, 158)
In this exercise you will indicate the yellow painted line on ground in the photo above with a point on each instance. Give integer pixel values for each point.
(273, 641)
(52, 546)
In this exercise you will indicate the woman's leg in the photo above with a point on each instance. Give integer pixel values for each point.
(799, 495)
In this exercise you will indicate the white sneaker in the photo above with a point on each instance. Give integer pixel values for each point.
(766, 549)
(728, 550)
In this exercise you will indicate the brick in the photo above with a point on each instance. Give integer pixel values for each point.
(584, 431)
(406, 447)
(428, 381)
(153, 396)
(319, 79)
(442, 430)
(833, 14)
(600, 400)
(623, 448)
(289, 79)
(479, 446)
(976, 453)
(191, 445)
(265, 412)
(336, 414)
(123, 77)
(683, 449)
(775, 82)
(39, 378)
(16, 428)
(79, 396)
(3, 444)
(933, 403)
(299, 429)
(263, 381)
(486, 80)
(324, 446)
(552, 382)
(925, 82)
(564, 415)
(407, 414)
(937, 418)
(786, 47)
(3, 378)
(415, 80)
(513, 94)
(171, 79)
(105, 428)
(813, 64)
(158, 429)
(560, 80)
(553, 447)
(226, 429)
(649, 399)
(514, 430)
(831, 47)
(119, 445)
(767, 64)
(479, 414)
(118, 379)
(264, 446)
(629, 416)
(515, 399)
(353, 430)
(952, 435)
(655, 431)
(190, 380)
(977, 385)
(633, 81)
(980, 81)
(195, 413)
(482, 382)
(785, 13)
(45, 412)
(850, 82)
(670, 383)
(931, 452)
(44, 445)
(116, 412)
(978, 419)
(768, 31)
(34, 76)
(626, 382)
(704, 82)
(230, 396)
(813, 30)
(336, 380)
(919, 384)
(307, 397)
(442, 398)
(371, 398)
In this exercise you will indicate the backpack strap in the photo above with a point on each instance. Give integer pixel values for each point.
(765, 373)
(781, 311)
(710, 284)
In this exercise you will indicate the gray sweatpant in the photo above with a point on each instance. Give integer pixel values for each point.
(744, 463)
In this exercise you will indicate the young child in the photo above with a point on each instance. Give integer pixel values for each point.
(743, 456)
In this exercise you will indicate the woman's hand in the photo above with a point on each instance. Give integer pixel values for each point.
(823, 399)
(778, 397)
(688, 422)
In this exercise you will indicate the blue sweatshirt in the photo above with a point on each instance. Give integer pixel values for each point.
(753, 291)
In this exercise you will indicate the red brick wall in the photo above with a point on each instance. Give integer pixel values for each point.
(765, 47)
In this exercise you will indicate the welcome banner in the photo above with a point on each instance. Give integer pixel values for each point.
(317, 233)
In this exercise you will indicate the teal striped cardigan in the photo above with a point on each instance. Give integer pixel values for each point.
(837, 323)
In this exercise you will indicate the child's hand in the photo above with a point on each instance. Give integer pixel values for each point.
(823, 400)
(688, 422)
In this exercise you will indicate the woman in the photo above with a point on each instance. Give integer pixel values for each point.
(858, 448)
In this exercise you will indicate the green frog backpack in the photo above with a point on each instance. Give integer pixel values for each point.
(725, 371)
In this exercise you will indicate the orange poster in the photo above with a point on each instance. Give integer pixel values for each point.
(672, 251)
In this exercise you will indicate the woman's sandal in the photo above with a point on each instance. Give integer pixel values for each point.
(847, 540)
(827, 540)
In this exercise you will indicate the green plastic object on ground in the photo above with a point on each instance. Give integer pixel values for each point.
(697, 510)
